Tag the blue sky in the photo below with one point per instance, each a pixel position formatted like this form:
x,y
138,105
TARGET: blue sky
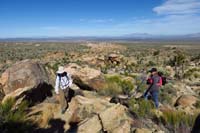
x,y
34,18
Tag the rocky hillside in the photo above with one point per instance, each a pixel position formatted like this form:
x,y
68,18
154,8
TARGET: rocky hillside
x,y
106,95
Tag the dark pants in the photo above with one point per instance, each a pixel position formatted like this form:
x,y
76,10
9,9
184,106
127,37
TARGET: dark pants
x,y
63,94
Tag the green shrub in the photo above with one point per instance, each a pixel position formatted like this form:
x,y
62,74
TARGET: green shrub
x,y
177,119
196,75
164,71
6,107
166,94
78,62
197,105
195,58
111,89
142,107
142,86
112,79
116,85
155,53
9,114
129,68
104,69
58,63
194,72
151,63
127,86
14,119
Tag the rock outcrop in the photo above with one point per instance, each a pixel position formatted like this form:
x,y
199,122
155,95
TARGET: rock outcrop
x,y
111,120
83,75
142,130
186,100
95,113
92,125
89,114
114,58
26,79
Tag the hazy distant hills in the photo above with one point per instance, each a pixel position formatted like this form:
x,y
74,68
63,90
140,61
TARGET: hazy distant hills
x,y
150,36
126,37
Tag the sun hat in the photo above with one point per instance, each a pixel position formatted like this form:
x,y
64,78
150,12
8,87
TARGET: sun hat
x,y
60,70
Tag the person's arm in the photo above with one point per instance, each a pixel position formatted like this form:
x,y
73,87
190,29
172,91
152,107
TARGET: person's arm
x,y
57,85
149,87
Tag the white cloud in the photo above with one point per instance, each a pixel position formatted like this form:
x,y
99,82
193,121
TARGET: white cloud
x,y
166,25
178,7
175,17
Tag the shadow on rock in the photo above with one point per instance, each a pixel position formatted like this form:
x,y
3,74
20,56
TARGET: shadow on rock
x,y
196,128
39,94
73,128
81,84
55,126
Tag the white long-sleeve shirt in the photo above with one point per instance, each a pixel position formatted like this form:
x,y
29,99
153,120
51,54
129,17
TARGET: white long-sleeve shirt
x,y
63,82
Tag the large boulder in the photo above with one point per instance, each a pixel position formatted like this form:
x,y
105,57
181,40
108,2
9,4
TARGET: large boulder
x,y
83,75
26,79
95,125
111,121
186,100
83,107
42,113
80,112
114,119
92,125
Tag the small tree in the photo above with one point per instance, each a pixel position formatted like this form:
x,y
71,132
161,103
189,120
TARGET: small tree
x,y
178,62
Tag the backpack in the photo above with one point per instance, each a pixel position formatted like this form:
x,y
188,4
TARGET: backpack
x,y
65,83
164,79
149,81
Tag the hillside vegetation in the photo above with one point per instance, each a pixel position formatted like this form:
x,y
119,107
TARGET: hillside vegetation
x,y
105,74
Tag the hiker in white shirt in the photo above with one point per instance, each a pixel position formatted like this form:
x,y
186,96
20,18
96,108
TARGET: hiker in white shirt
x,y
63,82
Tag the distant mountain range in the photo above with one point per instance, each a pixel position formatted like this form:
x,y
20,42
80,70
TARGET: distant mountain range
x,y
150,36
127,37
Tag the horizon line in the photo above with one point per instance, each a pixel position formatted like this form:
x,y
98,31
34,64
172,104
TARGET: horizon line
x,y
99,36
